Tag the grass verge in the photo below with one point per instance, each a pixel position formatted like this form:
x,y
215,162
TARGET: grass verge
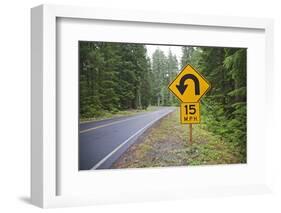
x,y
167,144
108,115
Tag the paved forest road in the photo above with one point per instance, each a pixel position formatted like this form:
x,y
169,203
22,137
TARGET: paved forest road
x,y
101,143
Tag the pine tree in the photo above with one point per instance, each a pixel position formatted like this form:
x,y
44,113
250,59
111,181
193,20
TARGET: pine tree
x,y
187,53
160,74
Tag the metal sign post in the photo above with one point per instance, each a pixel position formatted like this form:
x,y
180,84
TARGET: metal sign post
x,y
190,133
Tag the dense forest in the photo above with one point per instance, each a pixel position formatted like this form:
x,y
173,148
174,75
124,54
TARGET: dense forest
x,y
120,76
116,76
113,77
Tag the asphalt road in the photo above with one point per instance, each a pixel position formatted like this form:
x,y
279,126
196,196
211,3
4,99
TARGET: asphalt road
x,y
101,143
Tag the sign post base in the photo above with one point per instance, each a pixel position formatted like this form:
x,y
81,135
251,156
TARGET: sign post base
x,y
190,134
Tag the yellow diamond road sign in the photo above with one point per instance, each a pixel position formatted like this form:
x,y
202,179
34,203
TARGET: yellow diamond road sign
x,y
189,85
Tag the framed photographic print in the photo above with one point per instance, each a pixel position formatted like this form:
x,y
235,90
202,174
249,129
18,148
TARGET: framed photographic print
x,y
130,106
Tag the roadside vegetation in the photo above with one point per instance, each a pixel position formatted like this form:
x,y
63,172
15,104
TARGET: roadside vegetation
x,y
167,144
115,114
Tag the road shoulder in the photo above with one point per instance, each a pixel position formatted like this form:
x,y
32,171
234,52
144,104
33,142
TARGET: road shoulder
x,y
166,144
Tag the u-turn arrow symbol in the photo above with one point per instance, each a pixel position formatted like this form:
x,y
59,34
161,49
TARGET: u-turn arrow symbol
x,y
182,87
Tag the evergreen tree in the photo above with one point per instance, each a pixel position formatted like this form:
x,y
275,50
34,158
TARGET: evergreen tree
x,y
159,70
172,68
187,53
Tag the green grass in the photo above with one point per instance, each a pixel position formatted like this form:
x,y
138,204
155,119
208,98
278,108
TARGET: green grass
x,y
108,115
167,144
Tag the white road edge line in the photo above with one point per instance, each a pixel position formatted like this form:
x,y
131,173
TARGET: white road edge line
x,y
114,122
126,141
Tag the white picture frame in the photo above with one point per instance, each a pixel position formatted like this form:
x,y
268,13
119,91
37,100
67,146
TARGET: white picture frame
x,y
45,180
